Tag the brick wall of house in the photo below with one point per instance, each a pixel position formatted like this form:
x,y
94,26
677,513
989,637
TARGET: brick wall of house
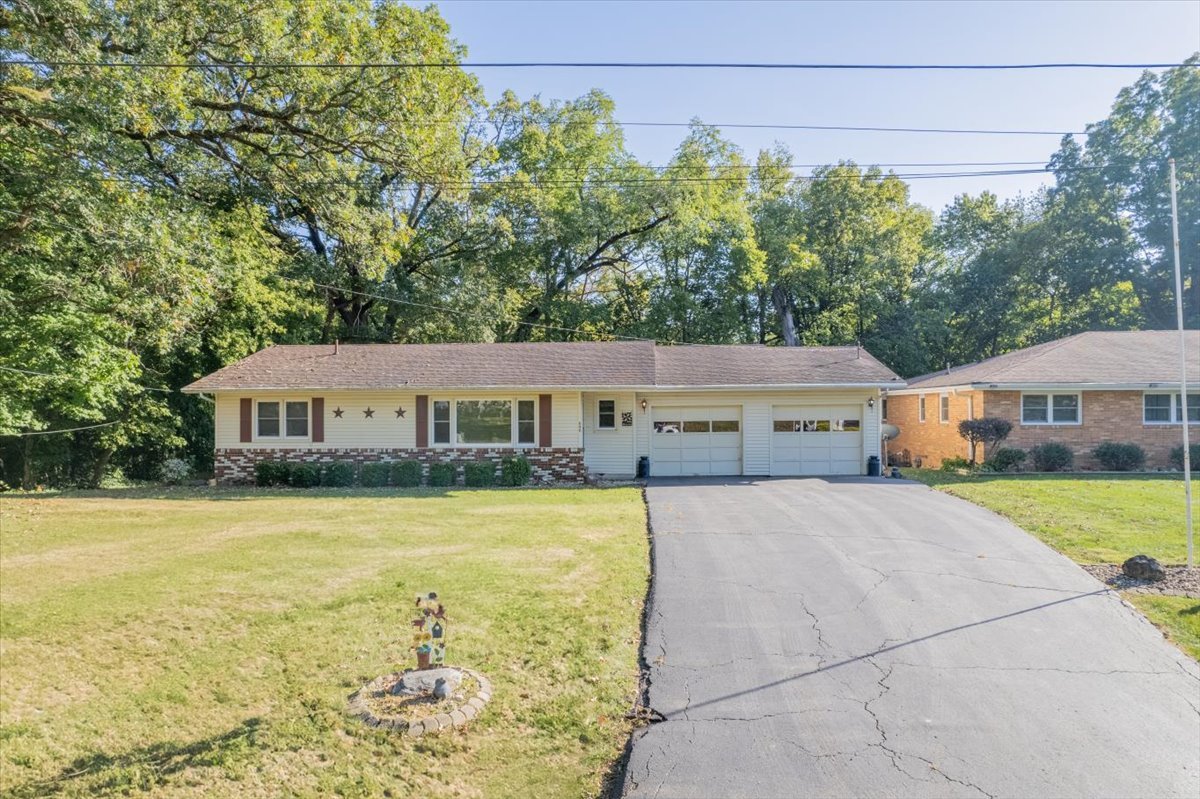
x,y
932,440
234,466
1107,416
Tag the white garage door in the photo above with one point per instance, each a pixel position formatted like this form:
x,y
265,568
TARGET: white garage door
x,y
810,439
695,441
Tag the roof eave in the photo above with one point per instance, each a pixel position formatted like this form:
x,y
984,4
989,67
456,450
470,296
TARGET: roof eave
x,y
195,388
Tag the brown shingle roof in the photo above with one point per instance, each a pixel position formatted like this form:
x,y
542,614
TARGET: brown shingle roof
x,y
639,364
1132,357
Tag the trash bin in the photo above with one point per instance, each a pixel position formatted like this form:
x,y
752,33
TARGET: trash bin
x,y
643,467
873,467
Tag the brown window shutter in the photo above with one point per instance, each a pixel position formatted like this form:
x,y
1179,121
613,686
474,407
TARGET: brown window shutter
x,y
545,421
247,423
318,419
422,420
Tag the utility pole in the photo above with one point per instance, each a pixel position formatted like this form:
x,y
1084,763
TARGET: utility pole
x,y
1183,386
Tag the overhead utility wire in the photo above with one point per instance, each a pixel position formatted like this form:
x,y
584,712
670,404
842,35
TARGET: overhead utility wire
x,y
587,65
61,430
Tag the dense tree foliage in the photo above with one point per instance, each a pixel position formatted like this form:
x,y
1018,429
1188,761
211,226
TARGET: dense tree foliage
x,y
156,223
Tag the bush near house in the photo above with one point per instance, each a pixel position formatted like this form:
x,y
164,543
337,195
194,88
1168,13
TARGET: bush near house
x,y
479,475
1177,456
1005,459
272,473
406,474
442,474
305,475
1052,457
338,474
515,471
1120,457
374,475
988,431
955,463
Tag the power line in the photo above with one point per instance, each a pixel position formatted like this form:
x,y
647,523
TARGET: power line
x,y
61,376
53,432
766,65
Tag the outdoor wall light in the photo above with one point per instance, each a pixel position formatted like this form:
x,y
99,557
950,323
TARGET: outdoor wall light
x,y
870,402
643,406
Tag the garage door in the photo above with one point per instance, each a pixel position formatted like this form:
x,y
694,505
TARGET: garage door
x,y
695,441
808,439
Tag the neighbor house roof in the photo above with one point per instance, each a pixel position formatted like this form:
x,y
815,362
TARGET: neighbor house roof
x,y
1134,358
636,364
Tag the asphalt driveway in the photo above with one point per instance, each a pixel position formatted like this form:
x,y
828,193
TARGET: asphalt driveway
x,y
837,638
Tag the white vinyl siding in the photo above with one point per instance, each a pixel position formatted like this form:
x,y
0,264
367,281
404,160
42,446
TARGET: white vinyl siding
x,y
384,430
609,451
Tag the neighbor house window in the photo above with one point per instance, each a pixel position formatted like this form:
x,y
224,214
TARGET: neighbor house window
x,y
484,421
525,426
883,414
921,408
606,414
1050,409
268,420
944,408
1168,408
441,422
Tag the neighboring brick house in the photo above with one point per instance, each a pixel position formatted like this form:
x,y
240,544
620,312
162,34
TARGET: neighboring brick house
x,y
572,409
1079,391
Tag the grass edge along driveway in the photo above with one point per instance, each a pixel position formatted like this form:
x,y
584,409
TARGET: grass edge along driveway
x,y
1100,518
203,642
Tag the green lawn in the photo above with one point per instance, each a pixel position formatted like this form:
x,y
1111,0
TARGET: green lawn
x,y
203,642
1095,519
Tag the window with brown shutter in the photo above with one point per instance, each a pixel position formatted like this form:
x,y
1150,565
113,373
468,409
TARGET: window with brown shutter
x,y
545,422
247,423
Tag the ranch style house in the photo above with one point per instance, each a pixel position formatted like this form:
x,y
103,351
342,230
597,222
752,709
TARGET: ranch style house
x,y
573,409
1080,391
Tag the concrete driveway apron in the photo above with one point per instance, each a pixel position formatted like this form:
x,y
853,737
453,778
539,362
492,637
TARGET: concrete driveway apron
x,y
862,638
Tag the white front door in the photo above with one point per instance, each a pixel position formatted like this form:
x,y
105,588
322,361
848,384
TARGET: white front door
x,y
688,441
817,439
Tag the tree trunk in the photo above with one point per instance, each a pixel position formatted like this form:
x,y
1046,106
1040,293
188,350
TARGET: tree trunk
x,y
786,310
27,463
100,467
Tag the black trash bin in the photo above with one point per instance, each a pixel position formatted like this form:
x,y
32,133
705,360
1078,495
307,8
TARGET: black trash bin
x,y
874,469
643,467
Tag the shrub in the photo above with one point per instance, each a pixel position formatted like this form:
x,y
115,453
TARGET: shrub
x,y
272,473
1120,457
1177,456
989,431
442,474
515,471
480,474
338,474
1005,459
305,475
174,471
1052,457
374,475
955,463
406,473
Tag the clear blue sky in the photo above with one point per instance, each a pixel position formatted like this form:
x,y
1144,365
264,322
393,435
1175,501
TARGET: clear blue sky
x,y
837,32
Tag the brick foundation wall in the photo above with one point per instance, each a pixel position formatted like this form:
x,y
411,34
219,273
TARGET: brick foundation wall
x,y
1107,416
235,465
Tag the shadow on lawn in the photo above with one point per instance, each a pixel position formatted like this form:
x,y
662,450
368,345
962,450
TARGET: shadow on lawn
x,y
145,768
936,477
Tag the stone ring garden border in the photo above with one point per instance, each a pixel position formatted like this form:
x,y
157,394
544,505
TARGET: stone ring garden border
x,y
441,721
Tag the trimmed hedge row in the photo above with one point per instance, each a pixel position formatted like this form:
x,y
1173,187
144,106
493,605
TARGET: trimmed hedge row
x,y
513,471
